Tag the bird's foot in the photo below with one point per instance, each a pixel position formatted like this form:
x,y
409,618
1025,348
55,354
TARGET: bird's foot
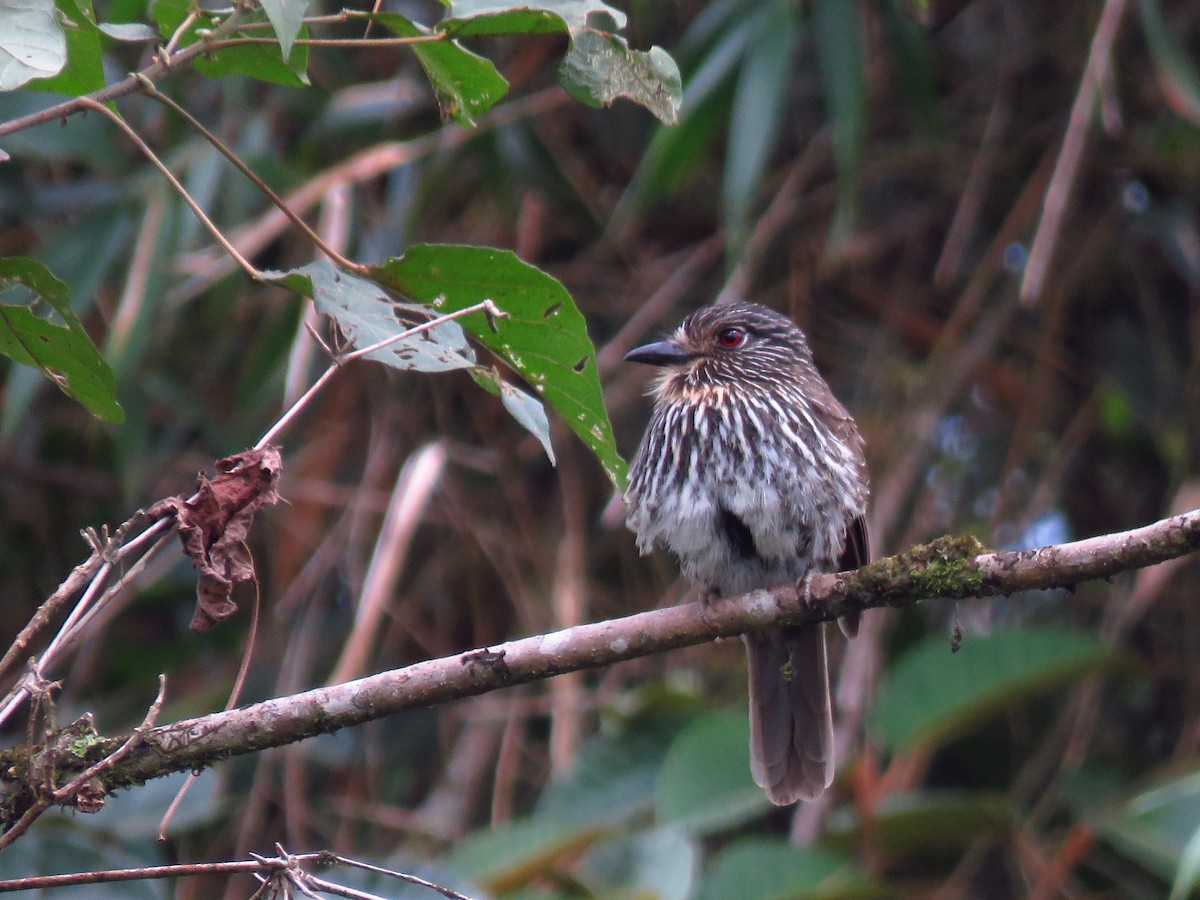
x,y
707,597
805,587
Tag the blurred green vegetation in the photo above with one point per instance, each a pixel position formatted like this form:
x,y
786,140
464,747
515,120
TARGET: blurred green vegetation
x,y
878,171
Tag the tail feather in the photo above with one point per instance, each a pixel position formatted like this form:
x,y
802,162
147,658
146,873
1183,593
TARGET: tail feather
x,y
791,724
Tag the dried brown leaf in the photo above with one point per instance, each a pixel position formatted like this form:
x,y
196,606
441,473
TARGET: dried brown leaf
x,y
213,525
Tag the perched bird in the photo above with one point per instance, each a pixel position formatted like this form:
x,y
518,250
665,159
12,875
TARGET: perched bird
x,y
752,474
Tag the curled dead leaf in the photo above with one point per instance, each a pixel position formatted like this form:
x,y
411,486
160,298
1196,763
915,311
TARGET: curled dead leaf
x,y
213,525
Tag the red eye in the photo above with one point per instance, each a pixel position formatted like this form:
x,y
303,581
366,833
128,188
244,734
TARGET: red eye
x,y
731,338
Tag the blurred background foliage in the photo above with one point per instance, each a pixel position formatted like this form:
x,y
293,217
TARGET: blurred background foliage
x,y
875,169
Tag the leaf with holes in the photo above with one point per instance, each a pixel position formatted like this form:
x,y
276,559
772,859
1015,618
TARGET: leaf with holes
x,y
599,66
544,337
38,328
527,410
466,85
366,316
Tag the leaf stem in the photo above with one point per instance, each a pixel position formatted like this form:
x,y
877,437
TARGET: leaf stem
x,y
155,94
133,136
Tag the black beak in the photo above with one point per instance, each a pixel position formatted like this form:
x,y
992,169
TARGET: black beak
x,y
663,353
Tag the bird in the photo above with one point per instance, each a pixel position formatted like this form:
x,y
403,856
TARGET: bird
x,y
753,475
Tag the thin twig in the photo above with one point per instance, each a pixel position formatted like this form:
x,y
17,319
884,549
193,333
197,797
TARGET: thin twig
x,y
486,306
235,695
1058,191
210,265
63,794
175,183
330,42
155,94
49,796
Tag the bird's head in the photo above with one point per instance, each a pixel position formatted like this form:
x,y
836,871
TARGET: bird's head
x,y
729,347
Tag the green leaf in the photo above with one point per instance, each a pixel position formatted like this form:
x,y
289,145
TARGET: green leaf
x,y
366,316
132,32
931,694
168,15
928,823
266,62
544,338
53,339
599,67
466,85
705,782
757,114
842,69
771,869
613,777
527,410
1187,878
32,45
1177,76
507,856
262,61
84,71
662,863
287,18
487,17
1158,828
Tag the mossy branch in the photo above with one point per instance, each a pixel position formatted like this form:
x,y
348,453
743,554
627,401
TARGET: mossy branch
x,y
948,568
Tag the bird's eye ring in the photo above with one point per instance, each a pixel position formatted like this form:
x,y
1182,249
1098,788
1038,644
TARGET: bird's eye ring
x,y
731,338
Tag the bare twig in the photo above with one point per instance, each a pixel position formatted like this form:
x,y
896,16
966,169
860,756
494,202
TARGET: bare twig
x,y
286,866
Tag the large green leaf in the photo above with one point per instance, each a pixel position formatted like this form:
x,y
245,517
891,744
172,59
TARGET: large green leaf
x,y
772,869
32,45
466,85
599,66
705,782
38,328
1158,828
927,823
507,856
84,71
366,316
931,694
544,337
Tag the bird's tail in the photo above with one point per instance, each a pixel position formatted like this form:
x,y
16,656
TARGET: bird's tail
x,y
791,724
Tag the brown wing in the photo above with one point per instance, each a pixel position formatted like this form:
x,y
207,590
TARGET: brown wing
x,y
856,552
